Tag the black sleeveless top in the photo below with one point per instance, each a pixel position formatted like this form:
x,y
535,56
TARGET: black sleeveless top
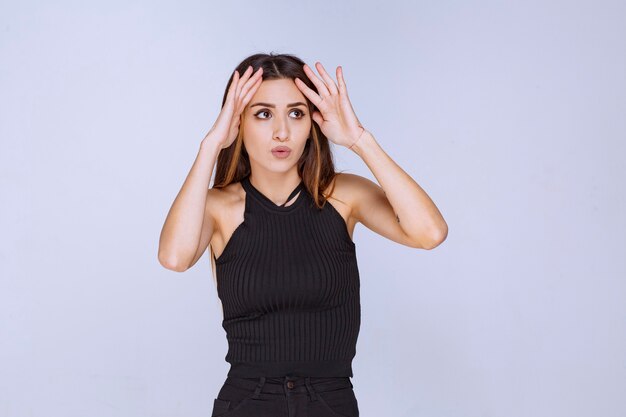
x,y
289,285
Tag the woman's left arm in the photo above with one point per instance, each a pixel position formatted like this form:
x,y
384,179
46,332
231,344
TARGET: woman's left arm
x,y
400,200
400,210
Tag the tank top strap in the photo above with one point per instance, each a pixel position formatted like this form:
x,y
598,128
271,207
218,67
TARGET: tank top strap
x,y
293,193
268,203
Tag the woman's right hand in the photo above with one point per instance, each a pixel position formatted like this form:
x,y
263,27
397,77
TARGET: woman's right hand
x,y
240,92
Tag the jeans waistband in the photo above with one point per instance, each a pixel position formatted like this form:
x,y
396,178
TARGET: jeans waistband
x,y
286,384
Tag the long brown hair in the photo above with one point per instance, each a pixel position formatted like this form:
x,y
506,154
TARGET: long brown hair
x,y
315,166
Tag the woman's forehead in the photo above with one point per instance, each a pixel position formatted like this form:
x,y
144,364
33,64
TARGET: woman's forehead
x,y
278,93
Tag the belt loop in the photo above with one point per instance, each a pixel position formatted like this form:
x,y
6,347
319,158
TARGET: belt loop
x,y
259,387
309,387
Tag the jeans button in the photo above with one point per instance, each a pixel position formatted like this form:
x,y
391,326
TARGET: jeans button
x,y
289,384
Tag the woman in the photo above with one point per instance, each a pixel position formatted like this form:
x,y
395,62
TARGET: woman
x,y
279,222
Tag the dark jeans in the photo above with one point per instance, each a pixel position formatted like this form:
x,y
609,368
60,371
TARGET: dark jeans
x,y
288,396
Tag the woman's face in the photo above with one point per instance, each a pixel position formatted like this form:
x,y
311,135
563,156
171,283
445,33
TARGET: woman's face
x,y
277,115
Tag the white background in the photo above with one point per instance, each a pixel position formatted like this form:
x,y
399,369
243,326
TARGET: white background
x,y
511,115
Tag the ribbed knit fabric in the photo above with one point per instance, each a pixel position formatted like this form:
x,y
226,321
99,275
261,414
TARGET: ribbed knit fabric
x,y
289,285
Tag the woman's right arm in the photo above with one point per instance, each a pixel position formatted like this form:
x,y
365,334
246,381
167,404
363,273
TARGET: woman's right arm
x,y
190,225
190,217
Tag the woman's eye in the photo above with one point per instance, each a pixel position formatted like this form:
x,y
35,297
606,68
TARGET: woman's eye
x,y
301,114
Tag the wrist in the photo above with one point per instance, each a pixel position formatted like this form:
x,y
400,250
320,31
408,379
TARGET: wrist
x,y
357,139
365,144
210,143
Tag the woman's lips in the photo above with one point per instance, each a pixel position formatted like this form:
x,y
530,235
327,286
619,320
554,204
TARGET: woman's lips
x,y
281,153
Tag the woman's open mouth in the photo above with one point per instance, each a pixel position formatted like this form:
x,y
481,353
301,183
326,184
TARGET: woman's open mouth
x,y
281,153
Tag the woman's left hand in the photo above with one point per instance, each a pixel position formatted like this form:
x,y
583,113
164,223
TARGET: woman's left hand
x,y
337,119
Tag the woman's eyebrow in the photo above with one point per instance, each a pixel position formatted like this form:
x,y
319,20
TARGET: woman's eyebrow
x,y
299,103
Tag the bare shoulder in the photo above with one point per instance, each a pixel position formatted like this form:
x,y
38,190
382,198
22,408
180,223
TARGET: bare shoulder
x,y
226,209
223,201
348,187
344,197
353,190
